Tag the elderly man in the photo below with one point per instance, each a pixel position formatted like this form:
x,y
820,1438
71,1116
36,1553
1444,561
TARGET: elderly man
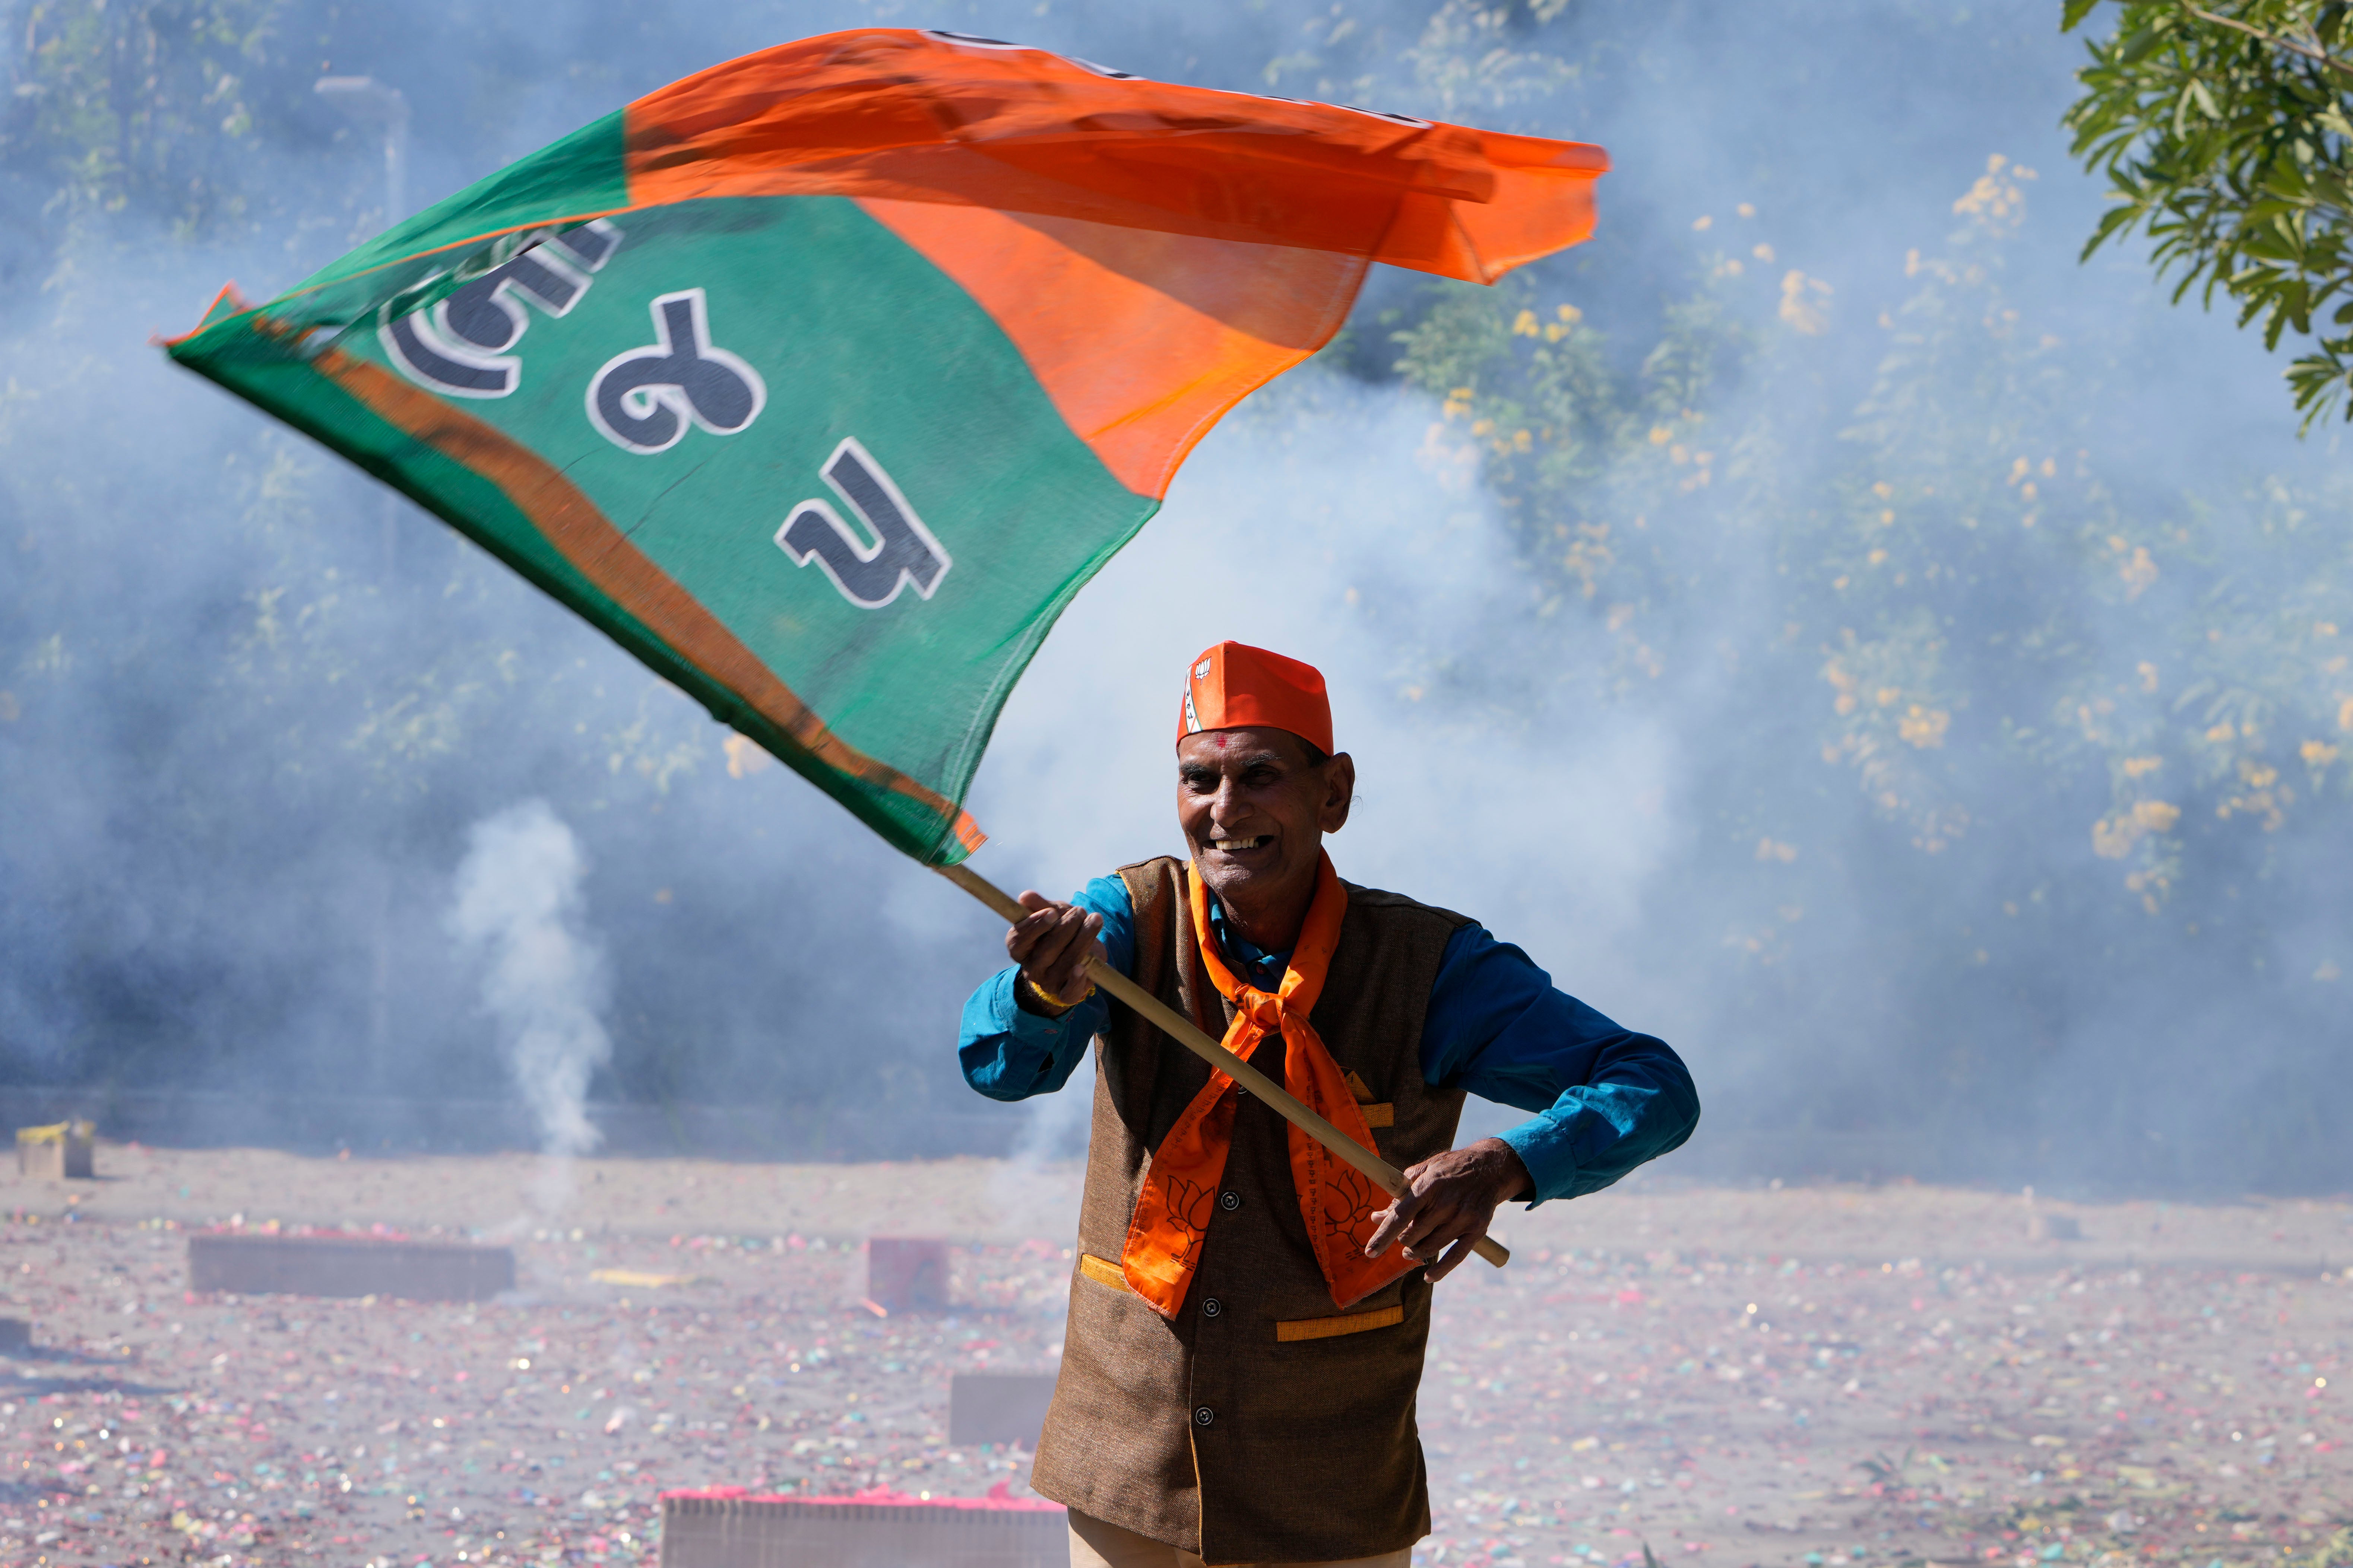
x,y
1246,1326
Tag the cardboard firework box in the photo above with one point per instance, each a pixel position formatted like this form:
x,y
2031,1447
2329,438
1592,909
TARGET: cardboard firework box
x,y
907,1274
248,1263
65,1150
728,1527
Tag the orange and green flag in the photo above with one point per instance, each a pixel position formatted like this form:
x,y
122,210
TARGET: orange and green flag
x,y
822,380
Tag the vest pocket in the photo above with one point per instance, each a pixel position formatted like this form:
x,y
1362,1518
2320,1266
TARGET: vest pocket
x,y
1332,1327
1379,1116
1103,1272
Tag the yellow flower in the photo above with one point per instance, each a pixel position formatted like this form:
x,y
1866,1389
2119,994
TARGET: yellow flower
x,y
2141,767
1762,253
2318,754
1993,200
1525,325
2113,837
1802,303
743,757
1660,435
1923,727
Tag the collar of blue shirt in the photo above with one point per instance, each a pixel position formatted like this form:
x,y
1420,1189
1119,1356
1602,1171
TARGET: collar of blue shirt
x,y
1261,968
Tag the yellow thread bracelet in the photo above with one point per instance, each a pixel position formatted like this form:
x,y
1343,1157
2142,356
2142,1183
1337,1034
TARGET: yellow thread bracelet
x,y
1050,999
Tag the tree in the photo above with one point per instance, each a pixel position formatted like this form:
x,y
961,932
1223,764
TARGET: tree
x,y
2000,737
2224,134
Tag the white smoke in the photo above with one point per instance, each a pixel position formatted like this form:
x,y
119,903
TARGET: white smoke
x,y
1302,524
518,911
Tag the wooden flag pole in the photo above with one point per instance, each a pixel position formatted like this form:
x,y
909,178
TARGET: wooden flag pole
x,y
1183,1030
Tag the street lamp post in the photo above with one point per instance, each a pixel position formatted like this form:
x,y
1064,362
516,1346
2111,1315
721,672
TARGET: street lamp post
x,y
370,103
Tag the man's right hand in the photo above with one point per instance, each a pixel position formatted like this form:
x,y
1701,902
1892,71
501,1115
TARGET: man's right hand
x,y
1052,945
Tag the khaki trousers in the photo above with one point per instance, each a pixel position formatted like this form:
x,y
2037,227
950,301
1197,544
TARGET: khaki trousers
x,y
1097,1544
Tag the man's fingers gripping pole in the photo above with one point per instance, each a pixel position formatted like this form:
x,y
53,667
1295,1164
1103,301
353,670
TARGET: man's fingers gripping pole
x,y
1182,1030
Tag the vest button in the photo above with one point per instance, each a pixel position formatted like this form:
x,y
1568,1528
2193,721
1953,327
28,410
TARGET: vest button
x,y
1229,1201
1204,1416
1212,1306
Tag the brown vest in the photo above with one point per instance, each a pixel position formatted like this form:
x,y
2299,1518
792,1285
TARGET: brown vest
x,y
1263,1423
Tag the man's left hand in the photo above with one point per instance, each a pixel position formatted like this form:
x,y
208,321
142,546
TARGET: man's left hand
x,y
1448,1202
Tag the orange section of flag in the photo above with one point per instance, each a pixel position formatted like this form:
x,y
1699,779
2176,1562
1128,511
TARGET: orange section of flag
x,y
896,115
1142,338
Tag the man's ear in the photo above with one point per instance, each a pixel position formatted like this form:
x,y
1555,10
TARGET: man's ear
x,y
1339,773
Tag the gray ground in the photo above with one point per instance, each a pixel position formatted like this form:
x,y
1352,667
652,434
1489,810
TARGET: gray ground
x,y
1919,1379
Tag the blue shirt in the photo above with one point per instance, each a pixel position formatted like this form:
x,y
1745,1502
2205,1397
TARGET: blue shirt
x,y
1605,1099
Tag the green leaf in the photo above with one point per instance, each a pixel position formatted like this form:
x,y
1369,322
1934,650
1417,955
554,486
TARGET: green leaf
x,y
2077,10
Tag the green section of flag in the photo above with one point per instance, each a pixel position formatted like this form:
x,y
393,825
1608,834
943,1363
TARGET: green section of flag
x,y
581,175
257,367
855,343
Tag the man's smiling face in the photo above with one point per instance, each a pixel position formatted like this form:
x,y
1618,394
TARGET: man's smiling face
x,y
1255,808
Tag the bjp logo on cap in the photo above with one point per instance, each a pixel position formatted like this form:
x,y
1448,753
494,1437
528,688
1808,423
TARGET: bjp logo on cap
x,y
1235,685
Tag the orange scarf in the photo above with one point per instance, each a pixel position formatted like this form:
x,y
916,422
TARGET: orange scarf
x,y
1180,1186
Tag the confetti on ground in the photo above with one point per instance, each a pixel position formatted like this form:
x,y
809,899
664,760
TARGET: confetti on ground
x,y
1811,1376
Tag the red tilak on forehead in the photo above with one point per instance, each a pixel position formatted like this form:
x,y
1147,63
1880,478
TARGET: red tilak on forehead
x,y
1224,740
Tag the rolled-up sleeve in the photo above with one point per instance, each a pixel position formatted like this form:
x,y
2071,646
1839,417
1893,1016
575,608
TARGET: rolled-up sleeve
x,y
1605,1097
1008,1053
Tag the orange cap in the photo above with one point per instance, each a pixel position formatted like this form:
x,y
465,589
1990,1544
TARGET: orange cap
x,y
1234,686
